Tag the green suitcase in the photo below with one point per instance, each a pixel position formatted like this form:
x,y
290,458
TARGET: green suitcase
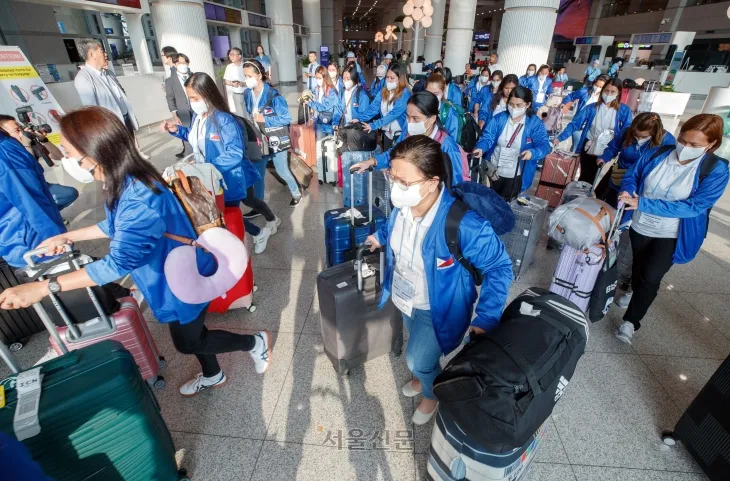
x,y
99,420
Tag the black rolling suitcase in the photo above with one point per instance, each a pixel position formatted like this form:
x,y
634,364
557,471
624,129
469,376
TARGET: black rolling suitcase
x,y
16,326
704,428
354,330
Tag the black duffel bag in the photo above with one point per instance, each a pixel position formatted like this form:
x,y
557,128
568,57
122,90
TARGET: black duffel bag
x,y
352,138
504,384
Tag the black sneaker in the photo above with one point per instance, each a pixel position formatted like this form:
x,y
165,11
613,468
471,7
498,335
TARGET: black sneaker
x,y
295,201
251,214
180,155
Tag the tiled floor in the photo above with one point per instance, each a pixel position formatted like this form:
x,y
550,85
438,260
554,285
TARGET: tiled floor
x,y
275,426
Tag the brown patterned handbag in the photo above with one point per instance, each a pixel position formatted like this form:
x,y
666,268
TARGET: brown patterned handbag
x,y
199,204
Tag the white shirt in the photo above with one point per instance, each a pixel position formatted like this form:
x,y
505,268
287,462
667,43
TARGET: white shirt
x,y
503,158
495,67
605,119
669,181
312,80
385,107
234,73
501,107
406,242
196,138
540,90
592,99
113,88
183,79
348,104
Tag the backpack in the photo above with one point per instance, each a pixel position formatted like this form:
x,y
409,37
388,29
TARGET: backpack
x,y
253,137
199,204
503,385
465,167
444,114
470,133
488,205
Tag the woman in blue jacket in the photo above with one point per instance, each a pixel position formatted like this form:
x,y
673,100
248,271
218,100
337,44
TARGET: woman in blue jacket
x,y
326,103
608,114
263,59
265,106
541,86
483,94
453,92
645,134
672,190
531,71
448,113
514,141
423,119
216,137
500,98
28,213
354,103
391,105
585,96
334,75
140,212
432,289
378,83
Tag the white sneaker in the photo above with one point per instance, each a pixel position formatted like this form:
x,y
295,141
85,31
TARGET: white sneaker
x,y
261,353
624,301
274,225
260,241
201,383
420,418
625,332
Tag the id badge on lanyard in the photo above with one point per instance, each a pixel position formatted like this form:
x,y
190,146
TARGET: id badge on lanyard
x,y
651,221
403,292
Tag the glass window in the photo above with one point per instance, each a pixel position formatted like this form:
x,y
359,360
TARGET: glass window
x,y
263,7
653,5
694,3
616,8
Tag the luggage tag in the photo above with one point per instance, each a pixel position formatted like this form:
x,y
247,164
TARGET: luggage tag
x,y
28,387
403,292
508,159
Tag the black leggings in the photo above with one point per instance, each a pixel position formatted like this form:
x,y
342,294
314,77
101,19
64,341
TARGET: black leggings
x,y
588,167
508,189
257,204
195,338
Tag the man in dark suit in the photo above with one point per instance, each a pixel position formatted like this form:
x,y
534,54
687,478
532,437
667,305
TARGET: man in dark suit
x,y
177,99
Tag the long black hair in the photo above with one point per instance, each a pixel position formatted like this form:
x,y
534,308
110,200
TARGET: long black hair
x,y
99,134
206,87
354,75
445,73
256,65
427,103
523,93
507,79
426,154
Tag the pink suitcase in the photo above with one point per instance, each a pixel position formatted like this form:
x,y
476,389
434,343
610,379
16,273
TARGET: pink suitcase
x,y
558,171
576,274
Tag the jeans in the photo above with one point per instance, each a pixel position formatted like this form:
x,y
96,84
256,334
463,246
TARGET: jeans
x,y
260,186
575,139
63,195
281,162
423,353
195,338
652,260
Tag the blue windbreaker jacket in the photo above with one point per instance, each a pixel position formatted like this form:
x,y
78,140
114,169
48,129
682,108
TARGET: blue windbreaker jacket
x,y
451,123
397,113
581,96
692,212
584,119
28,213
483,97
136,227
534,138
453,94
225,149
359,104
377,85
281,116
451,289
533,83
330,103
627,156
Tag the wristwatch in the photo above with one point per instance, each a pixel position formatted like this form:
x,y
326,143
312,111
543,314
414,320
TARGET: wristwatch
x,y
54,286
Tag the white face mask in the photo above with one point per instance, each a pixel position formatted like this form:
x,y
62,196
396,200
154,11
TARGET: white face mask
x,y
608,98
391,85
410,197
349,84
495,83
530,73
416,128
380,74
483,79
439,96
320,82
199,107
596,89
641,141
183,69
542,77
516,112
333,75
685,153
72,168
251,82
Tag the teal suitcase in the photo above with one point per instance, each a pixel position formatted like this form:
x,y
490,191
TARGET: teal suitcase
x,y
99,420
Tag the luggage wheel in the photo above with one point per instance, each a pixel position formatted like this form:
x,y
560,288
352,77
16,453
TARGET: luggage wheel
x,y
252,308
159,382
161,362
320,182
183,475
255,288
668,438
16,346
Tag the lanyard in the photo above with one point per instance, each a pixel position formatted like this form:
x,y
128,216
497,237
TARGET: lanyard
x,y
514,135
415,240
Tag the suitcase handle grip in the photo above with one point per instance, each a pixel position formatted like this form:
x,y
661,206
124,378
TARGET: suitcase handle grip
x,y
352,195
358,264
28,256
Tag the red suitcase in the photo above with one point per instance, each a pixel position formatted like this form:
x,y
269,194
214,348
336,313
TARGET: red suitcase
x,y
558,171
303,142
241,295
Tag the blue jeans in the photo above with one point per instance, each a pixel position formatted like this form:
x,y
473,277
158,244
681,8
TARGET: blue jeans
x,y
281,162
260,186
423,352
63,195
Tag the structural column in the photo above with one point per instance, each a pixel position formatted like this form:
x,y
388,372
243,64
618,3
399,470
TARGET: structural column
x,y
459,34
181,24
234,35
494,31
281,40
313,20
139,43
435,33
527,33
328,27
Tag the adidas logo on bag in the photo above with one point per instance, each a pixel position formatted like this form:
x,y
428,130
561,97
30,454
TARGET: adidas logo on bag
x,y
562,384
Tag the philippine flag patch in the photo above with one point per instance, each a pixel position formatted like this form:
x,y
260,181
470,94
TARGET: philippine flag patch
x,y
215,137
268,111
444,263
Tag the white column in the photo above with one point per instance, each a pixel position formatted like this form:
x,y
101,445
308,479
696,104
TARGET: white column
x,y
435,33
139,42
181,24
327,10
459,34
527,33
313,21
494,31
234,34
281,40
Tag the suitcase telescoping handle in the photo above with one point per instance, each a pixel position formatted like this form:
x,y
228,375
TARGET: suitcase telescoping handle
x,y
353,170
9,359
358,264
73,329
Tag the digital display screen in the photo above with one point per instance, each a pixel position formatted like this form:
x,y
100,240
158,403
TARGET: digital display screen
x,y
584,40
481,36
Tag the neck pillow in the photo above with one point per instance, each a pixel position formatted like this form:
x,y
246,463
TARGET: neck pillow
x,y
181,267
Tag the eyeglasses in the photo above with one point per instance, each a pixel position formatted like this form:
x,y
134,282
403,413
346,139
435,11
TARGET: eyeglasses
x,y
403,185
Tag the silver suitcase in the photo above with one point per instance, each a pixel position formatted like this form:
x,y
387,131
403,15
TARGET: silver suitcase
x,y
521,242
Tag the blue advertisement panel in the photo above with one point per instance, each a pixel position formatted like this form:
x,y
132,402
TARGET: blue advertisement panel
x,y
324,55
